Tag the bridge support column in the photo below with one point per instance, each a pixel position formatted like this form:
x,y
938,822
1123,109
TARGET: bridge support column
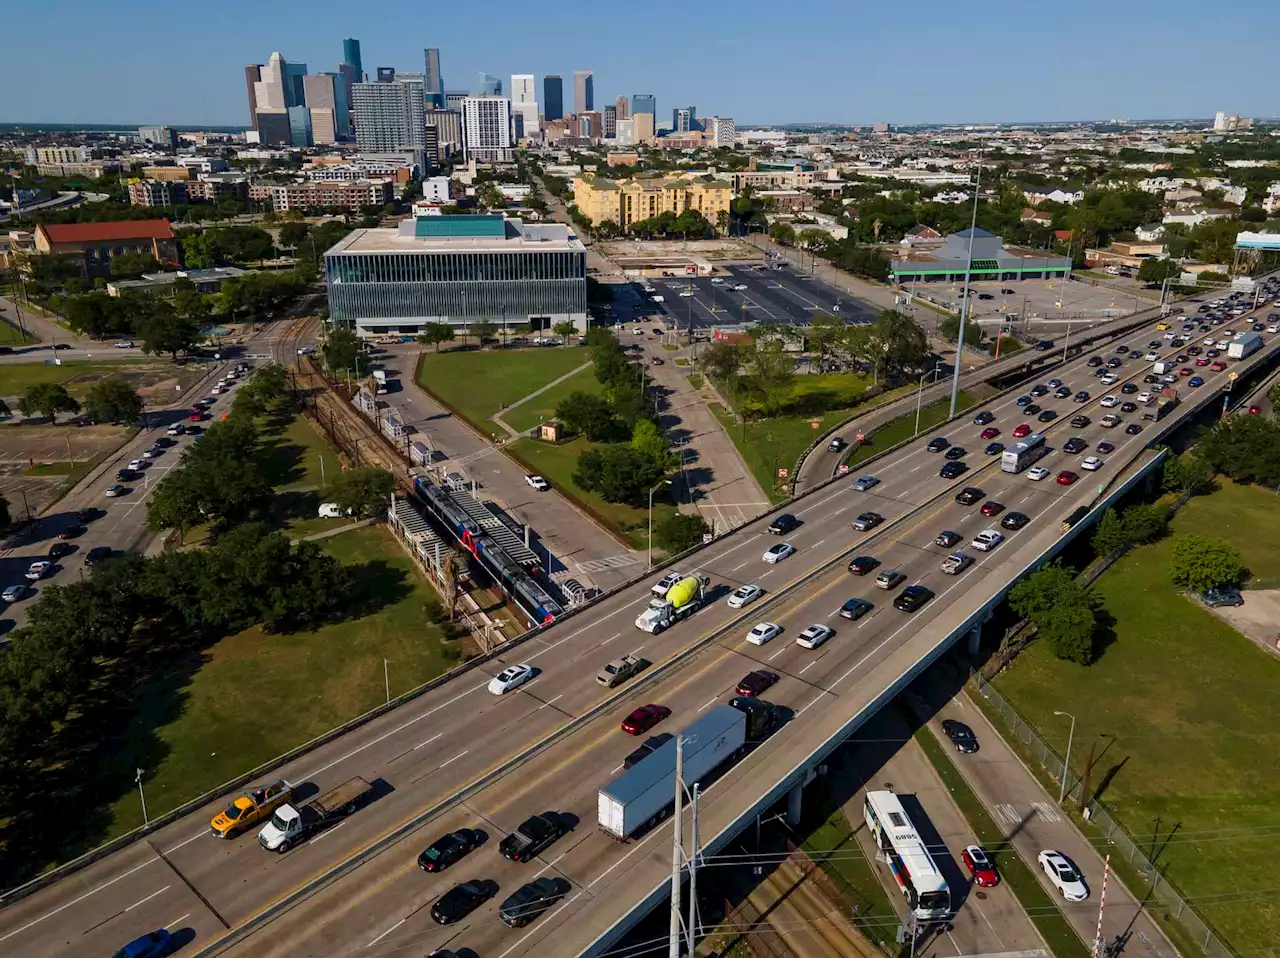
x,y
975,639
793,804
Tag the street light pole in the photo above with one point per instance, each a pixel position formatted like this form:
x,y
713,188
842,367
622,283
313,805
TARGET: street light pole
x,y
1066,762
920,395
649,557
964,303
138,778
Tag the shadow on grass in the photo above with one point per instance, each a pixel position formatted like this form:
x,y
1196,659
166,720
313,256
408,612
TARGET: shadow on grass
x,y
378,585
282,461
293,505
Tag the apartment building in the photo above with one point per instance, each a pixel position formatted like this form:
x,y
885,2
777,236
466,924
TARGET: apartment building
x,y
157,193
345,194
628,201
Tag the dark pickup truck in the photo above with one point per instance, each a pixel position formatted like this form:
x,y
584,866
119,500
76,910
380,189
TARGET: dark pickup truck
x,y
532,837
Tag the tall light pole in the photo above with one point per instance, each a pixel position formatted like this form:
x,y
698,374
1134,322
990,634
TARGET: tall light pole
x,y
1066,762
664,482
937,367
138,778
964,303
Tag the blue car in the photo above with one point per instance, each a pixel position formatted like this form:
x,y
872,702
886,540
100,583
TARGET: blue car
x,y
151,945
1195,381
1024,400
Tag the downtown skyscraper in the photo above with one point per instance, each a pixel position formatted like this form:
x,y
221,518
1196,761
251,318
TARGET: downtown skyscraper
x,y
584,91
433,82
553,96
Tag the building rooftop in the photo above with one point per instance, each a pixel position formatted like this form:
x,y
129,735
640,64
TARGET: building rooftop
x,y
106,232
491,233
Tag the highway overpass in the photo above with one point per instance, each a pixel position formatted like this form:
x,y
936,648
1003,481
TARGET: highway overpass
x,y
456,756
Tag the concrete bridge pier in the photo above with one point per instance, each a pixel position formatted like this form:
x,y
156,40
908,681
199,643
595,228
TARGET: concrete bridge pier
x,y
794,798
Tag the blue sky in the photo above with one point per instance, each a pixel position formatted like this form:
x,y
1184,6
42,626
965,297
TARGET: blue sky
x,y
848,61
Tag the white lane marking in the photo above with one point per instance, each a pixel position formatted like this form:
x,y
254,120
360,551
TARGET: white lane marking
x,y
778,653
76,901
636,650
618,769
818,543
815,699
454,759
187,841
427,742
538,709
737,567
1025,498
708,704
550,864
327,832
143,901
809,666
176,920
540,924
387,932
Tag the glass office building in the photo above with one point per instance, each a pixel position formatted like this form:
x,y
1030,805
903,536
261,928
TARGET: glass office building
x,y
458,270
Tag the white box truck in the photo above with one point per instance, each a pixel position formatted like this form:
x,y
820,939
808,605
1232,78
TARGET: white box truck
x,y
644,793
1244,345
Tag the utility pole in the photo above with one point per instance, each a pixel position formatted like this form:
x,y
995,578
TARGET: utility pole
x,y
673,932
964,302
693,875
141,795
1102,904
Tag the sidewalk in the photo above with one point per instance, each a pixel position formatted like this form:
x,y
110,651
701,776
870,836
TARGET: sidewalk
x,y
39,325
537,392
1033,821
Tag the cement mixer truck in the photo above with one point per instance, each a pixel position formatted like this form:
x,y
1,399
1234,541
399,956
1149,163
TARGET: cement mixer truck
x,y
681,600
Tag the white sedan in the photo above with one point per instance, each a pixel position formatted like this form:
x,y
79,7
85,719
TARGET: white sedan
x,y
510,678
777,553
1109,401
1036,473
137,465
125,344
744,595
764,632
1063,875
1091,463
685,294
814,636
1144,397
537,482
741,287
39,569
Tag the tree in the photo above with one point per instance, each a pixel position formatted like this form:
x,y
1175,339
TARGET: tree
x,y
680,531
720,361
648,439
1186,473
1038,593
133,265
1070,632
293,235
343,350
1158,270
1244,448
364,491
586,414
1110,534
825,333
192,305
1273,395
950,330
1144,522
782,233
484,329
1201,562
47,399
433,334
617,473
772,372
564,330
167,332
1062,612
113,399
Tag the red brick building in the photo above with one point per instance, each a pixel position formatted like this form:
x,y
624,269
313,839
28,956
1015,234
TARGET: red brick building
x,y
91,245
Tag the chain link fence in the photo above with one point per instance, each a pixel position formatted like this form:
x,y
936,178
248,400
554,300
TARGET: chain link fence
x,y
1159,888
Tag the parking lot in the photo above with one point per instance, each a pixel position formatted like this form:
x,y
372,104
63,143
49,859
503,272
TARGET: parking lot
x,y
748,294
1037,301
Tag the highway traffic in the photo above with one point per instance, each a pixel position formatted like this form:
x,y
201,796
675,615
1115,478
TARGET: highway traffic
x,y
422,754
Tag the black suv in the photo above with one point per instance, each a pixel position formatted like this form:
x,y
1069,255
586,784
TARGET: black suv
x,y
946,538
969,495
1014,520
783,524
461,900
912,598
938,444
447,849
952,470
531,900
1074,445
983,418
1079,422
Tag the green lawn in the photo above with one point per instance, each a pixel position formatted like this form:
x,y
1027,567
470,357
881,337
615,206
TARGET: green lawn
x,y
557,464
12,335
819,391
527,415
1195,717
253,696
771,444
480,383
79,375
901,429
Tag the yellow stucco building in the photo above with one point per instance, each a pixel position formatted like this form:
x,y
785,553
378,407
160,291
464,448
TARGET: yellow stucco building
x,y
629,201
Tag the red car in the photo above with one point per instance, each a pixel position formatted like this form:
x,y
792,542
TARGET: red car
x,y
644,718
195,417
1202,361
1219,366
1255,410
753,683
1066,477
1184,371
990,433
992,508
1022,429
980,866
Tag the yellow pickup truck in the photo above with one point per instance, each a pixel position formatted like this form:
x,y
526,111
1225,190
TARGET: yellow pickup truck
x,y
250,808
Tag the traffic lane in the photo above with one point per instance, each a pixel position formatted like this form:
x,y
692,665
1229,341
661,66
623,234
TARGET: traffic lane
x,y
171,905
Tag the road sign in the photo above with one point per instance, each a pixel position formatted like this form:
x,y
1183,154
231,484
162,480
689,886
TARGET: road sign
x,y
782,473
1233,376
814,424
859,437
691,271
844,468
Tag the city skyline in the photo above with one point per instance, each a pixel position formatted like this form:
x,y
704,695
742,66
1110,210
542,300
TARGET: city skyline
x,y
830,72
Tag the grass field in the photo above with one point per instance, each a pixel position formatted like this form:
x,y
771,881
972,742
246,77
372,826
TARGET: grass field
x,y
480,383
901,429
819,391
12,335
557,464
253,696
78,375
1192,718
542,407
772,444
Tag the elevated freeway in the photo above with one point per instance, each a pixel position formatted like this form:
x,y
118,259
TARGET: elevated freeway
x,y
456,756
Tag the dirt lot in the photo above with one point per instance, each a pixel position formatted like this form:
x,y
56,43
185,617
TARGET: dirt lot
x,y
1258,618
716,250
55,452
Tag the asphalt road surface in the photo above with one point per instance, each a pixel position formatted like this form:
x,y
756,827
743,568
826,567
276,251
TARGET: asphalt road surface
x,y
770,296
429,750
